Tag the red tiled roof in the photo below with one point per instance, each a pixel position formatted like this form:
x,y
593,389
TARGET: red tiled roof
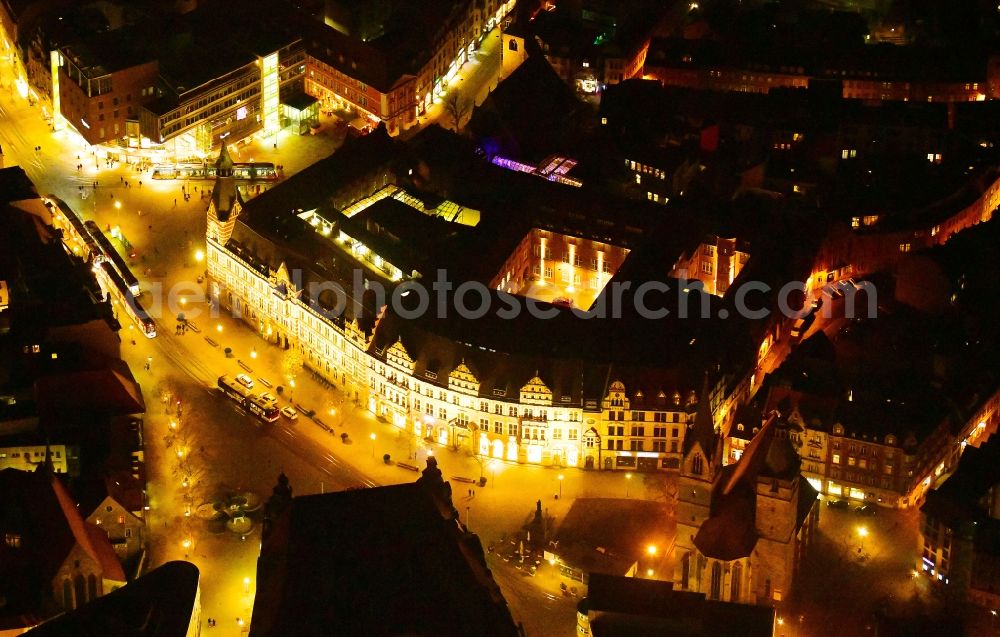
x,y
89,536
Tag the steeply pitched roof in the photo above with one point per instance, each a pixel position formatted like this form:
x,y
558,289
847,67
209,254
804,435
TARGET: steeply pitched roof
x,y
36,506
381,561
529,112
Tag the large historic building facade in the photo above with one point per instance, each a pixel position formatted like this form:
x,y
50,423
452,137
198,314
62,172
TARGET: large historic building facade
x,y
548,411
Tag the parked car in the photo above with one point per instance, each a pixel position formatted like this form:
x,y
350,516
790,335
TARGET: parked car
x,y
838,504
865,509
245,380
269,397
563,301
289,413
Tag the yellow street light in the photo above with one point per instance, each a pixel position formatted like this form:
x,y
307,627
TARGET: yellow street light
x,y
180,453
173,424
291,383
184,300
199,256
651,549
628,484
781,622
372,436
649,572
186,543
253,353
560,476
333,412
246,585
218,327
118,205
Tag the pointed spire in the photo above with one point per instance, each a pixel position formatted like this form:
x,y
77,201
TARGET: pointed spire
x,y
224,164
225,195
703,429
46,465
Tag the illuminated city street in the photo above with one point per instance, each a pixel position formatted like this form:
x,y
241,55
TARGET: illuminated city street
x,y
289,342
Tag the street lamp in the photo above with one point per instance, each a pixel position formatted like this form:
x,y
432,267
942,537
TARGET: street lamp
x,y
862,533
372,436
246,585
651,549
628,484
118,205
560,485
199,256
253,353
218,327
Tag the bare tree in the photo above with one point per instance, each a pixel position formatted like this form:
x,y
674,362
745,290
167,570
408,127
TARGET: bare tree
x,y
457,107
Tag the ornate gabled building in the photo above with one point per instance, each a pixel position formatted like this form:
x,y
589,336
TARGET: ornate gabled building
x,y
741,528
303,264
226,203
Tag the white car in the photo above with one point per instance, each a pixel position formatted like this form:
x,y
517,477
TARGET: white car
x,y
245,380
289,413
269,397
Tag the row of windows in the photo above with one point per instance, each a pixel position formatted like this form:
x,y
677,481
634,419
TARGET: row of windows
x,y
640,416
28,454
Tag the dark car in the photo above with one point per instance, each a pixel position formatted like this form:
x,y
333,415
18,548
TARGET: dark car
x,y
865,509
837,504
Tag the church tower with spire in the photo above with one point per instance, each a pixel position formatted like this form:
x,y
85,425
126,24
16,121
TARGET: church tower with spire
x,y
226,202
701,466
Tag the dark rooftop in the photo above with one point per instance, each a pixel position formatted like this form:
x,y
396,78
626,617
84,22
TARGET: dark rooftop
x,y
607,535
37,506
380,561
627,606
15,185
161,603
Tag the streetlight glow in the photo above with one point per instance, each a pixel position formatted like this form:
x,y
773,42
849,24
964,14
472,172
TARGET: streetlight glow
x,y
651,549
218,327
199,256
118,205
253,353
